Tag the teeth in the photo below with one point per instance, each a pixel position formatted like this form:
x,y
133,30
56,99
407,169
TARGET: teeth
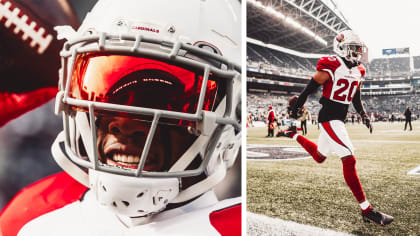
x,y
126,158
117,157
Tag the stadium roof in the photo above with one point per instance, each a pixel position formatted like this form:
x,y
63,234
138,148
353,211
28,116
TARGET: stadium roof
x,y
307,26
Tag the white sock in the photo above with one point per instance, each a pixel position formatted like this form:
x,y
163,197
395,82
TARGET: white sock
x,y
364,205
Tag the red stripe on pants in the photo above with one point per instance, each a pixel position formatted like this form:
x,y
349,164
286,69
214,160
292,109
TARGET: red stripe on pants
x,y
331,133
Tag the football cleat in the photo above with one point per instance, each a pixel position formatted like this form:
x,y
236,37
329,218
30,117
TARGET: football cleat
x,y
288,132
377,217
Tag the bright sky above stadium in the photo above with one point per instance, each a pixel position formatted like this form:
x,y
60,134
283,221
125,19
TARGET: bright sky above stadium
x,y
383,24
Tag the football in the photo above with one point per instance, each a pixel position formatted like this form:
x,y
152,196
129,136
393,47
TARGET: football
x,y
29,49
291,104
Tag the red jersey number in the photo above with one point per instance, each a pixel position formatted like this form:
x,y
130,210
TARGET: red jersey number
x,y
343,92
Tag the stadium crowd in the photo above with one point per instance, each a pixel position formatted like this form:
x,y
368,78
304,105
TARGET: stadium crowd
x,y
383,108
264,58
394,66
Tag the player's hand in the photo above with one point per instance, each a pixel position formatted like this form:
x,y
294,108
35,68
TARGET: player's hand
x,y
296,113
367,122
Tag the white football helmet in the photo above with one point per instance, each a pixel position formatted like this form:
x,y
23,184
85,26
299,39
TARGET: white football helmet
x,y
349,46
150,97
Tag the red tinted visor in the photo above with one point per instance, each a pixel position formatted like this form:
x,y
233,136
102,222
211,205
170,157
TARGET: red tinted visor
x,y
141,82
360,49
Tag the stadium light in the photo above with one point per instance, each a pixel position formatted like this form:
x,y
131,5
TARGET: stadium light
x,y
309,32
257,3
279,15
270,10
285,50
321,40
288,20
275,13
294,23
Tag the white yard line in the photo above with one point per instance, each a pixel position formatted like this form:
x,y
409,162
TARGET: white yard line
x,y
264,225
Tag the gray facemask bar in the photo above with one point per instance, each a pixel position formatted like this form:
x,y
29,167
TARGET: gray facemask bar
x,y
350,51
84,45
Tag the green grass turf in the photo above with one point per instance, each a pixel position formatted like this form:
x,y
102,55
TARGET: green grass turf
x,y
316,194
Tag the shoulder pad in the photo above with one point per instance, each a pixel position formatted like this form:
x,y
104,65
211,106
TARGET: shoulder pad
x,y
329,63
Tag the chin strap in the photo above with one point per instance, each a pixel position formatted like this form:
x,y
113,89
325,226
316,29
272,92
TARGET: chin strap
x,y
190,154
65,163
202,186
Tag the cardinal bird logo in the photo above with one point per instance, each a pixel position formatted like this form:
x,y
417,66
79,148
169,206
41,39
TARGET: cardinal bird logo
x,y
340,38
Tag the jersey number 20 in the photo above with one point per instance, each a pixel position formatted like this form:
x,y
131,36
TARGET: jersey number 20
x,y
344,92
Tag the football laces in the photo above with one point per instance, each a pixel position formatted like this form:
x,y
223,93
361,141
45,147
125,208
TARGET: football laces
x,y
22,25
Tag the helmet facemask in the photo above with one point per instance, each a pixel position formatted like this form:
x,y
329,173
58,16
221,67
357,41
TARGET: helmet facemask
x,y
354,52
141,98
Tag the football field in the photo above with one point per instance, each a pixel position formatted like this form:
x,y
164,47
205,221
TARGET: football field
x,y
298,189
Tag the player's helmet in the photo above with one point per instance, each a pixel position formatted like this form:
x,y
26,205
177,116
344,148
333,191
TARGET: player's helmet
x,y
349,46
171,65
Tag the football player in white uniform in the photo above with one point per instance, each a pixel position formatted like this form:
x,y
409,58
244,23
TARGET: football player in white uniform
x,y
341,77
150,97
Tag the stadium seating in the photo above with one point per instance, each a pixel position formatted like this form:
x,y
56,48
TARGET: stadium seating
x,y
382,106
416,62
280,59
394,66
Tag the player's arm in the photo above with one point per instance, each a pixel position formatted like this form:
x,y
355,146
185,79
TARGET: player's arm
x,y
357,102
358,106
319,78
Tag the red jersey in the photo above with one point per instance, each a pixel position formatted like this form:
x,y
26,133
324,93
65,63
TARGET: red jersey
x,y
340,88
271,116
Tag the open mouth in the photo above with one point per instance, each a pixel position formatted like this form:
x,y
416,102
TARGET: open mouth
x,y
130,161
123,160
